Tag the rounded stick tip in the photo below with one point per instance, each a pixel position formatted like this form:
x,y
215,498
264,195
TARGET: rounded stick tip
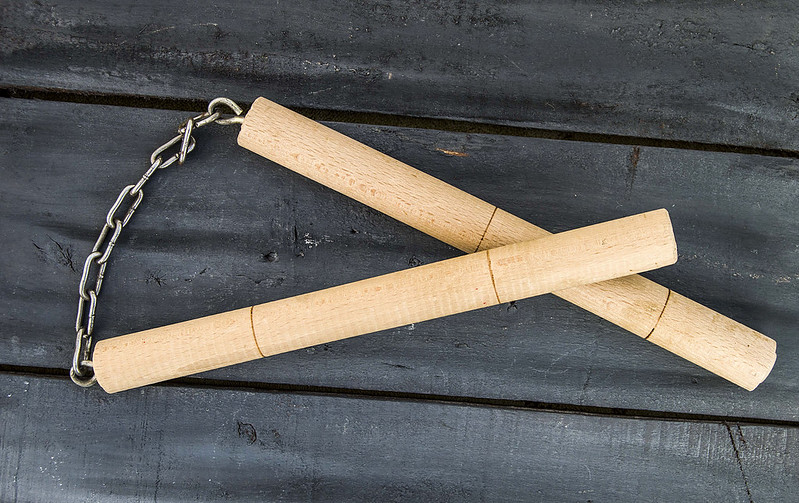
x,y
713,341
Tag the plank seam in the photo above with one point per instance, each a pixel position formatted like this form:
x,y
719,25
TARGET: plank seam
x,y
391,120
355,393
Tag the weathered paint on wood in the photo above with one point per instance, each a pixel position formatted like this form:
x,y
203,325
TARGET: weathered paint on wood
x,y
200,244
716,72
61,443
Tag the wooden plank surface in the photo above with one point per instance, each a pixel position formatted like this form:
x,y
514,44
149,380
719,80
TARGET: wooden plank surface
x,y
199,244
61,443
472,407
715,71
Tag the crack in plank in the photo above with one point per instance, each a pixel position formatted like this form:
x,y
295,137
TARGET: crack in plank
x,y
738,459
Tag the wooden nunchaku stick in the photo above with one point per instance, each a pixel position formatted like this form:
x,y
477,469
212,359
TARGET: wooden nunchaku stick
x,y
485,278
645,308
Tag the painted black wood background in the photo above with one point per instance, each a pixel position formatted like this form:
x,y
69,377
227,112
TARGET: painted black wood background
x,y
564,114
711,71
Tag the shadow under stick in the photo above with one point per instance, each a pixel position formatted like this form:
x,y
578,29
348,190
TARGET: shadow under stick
x,y
486,278
645,308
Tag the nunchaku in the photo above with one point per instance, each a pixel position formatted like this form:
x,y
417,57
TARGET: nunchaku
x,y
508,259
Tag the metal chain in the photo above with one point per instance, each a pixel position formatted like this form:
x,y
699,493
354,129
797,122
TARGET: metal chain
x,y
82,372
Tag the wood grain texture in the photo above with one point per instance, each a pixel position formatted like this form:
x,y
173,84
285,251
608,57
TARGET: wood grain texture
x,y
682,327
199,244
366,175
475,281
700,72
177,350
723,346
636,302
64,444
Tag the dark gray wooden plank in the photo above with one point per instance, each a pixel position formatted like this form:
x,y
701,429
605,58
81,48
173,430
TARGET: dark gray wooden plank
x,y
60,443
711,71
197,244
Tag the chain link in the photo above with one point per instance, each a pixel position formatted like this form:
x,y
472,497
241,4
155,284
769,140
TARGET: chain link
x,y
82,372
